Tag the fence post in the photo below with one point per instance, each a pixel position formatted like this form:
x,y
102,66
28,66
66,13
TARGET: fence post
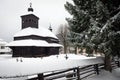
x,y
78,73
96,68
40,76
74,70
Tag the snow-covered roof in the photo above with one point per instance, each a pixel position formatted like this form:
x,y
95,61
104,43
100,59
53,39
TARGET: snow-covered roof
x,y
34,31
29,66
30,42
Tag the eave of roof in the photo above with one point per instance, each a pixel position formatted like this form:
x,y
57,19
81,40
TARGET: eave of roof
x,y
30,42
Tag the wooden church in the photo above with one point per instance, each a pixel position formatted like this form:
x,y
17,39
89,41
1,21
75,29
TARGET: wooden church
x,y
34,40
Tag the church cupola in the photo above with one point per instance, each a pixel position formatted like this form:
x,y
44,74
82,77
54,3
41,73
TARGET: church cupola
x,y
30,9
50,28
30,20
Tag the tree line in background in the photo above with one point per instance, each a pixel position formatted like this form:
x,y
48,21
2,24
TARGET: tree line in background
x,y
95,25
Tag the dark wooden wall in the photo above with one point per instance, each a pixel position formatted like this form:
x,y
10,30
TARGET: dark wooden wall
x,y
29,21
34,51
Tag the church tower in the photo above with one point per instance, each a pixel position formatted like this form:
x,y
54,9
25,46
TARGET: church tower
x,y
29,20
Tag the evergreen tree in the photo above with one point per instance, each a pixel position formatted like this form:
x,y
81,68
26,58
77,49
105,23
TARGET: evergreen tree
x,y
98,21
88,18
110,32
110,35
74,40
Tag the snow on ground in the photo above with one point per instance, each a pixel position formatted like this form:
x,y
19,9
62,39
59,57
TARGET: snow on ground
x,y
106,75
5,56
11,67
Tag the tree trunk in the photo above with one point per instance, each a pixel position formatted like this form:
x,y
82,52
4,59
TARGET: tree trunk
x,y
65,47
75,49
107,62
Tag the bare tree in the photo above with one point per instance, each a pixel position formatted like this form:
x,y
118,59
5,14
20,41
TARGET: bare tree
x,y
62,35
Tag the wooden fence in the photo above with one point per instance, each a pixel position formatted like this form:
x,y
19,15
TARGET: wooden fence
x,y
77,73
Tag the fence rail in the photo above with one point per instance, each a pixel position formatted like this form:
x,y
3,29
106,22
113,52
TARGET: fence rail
x,y
77,73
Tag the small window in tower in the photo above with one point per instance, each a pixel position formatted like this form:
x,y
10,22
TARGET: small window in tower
x,y
29,20
26,20
35,22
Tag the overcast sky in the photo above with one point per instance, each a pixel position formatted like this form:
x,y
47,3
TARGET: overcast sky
x,y
49,11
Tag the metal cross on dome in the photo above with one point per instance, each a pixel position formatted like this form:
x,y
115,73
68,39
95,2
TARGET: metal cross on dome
x,y
30,4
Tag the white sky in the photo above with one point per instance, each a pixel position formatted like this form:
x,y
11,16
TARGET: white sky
x,y
49,11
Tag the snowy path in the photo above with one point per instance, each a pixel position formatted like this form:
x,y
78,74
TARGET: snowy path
x,y
105,75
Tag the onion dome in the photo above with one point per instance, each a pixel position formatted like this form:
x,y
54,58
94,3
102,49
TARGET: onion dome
x,y
30,9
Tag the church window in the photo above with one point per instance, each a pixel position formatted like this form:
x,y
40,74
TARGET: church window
x,y
29,20
26,20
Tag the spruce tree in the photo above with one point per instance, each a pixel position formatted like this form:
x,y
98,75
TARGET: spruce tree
x,y
88,17
98,21
110,32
